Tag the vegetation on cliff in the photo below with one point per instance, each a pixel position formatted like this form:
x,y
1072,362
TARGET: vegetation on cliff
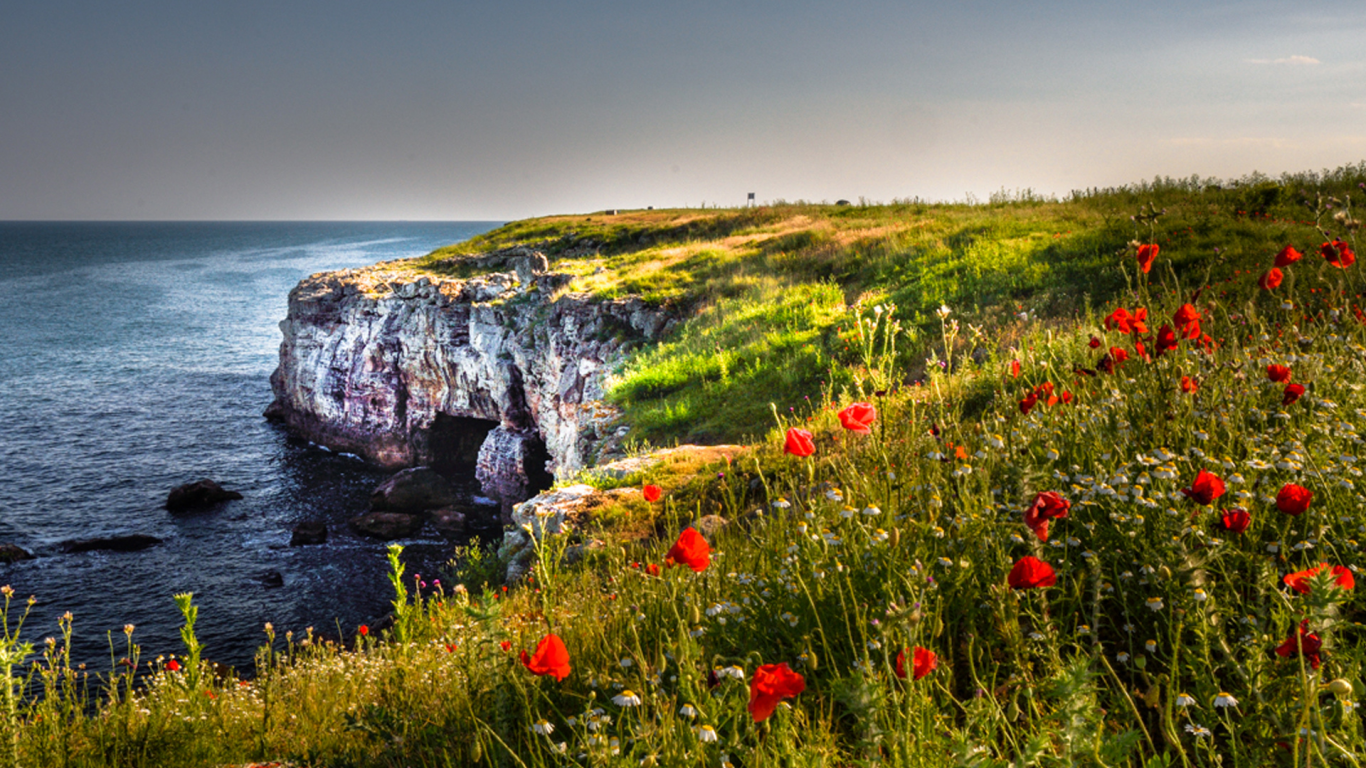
x,y
1122,532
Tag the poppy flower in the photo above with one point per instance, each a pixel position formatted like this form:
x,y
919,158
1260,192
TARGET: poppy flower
x,y
651,493
1094,343
923,662
798,443
1066,397
363,630
1119,355
1278,373
1299,581
1123,321
1338,253
1294,499
1028,403
505,645
1166,339
1292,393
1206,488
1187,318
1146,254
771,684
1236,520
1189,385
1014,369
551,658
1302,642
1048,505
1030,572
173,666
1271,279
690,550
857,417
652,569
1288,256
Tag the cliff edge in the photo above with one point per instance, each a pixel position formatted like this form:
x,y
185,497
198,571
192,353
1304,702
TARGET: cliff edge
x,y
503,370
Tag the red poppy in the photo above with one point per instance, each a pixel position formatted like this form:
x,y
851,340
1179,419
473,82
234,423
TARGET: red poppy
x,y
1030,572
1189,385
798,443
1094,343
1014,369
1206,488
1166,339
1288,256
1338,253
857,417
450,647
363,630
923,662
1302,642
651,493
1027,404
652,569
690,550
1066,397
1146,255
1299,581
551,658
1294,499
1118,355
1278,373
1271,280
1236,520
1124,322
771,684
1048,505
1187,318
173,666
1292,393
505,645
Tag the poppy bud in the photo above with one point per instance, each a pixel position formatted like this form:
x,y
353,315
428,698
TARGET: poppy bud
x,y
476,752
1164,573
1154,695
812,660
1340,687
894,537
1013,710
915,617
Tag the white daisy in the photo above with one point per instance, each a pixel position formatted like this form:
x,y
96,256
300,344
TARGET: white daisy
x,y
626,698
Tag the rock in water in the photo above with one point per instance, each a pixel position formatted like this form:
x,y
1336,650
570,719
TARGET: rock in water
x,y
11,553
412,491
198,494
130,543
449,522
386,525
309,532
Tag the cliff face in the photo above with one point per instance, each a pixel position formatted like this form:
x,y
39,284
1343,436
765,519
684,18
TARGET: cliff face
x,y
496,369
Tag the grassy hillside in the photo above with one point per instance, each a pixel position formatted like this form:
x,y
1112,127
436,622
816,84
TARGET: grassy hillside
x,y
773,294
1105,541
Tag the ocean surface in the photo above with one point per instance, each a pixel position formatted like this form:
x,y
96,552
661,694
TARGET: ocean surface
x,y
136,357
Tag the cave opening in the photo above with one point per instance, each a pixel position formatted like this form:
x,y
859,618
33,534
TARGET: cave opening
x,y
453,443
534,461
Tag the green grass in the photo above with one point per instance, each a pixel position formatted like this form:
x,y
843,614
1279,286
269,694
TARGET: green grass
x,y
831,564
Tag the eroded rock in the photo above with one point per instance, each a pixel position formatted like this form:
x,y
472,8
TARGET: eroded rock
x,y
128,543
413,491
198,495
386,525
13,553
308,533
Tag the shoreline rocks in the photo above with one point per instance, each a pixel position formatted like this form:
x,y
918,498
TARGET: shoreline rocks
x,y
413,491
127,543
198,495
13,553
308,533
386,525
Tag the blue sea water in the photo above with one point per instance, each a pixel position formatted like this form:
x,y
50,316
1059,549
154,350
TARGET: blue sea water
x,y
136,357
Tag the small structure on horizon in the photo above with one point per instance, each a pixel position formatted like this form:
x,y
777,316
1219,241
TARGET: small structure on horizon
x,y
749,203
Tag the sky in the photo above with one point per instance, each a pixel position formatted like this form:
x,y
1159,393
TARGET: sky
x,y
504,109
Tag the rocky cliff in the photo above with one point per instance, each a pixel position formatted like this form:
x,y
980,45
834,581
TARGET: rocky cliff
x,y
503,370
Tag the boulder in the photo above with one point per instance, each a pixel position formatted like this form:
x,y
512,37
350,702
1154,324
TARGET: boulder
x,y
386,525
129,543
272,579
202,493
449,522
412,491
309,532
10,553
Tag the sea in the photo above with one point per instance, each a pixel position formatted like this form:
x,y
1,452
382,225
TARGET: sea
x,y
135,357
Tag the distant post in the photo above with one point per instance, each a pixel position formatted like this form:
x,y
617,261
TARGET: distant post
x,y
749,203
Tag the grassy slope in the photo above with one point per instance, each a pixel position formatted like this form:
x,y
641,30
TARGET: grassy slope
x,y
772,293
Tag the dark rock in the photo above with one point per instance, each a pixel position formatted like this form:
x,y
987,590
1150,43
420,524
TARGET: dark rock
x,y
10,553
413,490
841,202
198,494
449,522
129,543
386,525
309,532
273,579
710,525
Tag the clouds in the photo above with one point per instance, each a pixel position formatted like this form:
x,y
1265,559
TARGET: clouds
x,y
1293,61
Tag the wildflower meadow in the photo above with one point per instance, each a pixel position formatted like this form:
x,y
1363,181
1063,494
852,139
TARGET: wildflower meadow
x,y
1127,537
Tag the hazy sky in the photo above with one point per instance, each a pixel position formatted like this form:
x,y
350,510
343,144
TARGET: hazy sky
x,y
510,108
